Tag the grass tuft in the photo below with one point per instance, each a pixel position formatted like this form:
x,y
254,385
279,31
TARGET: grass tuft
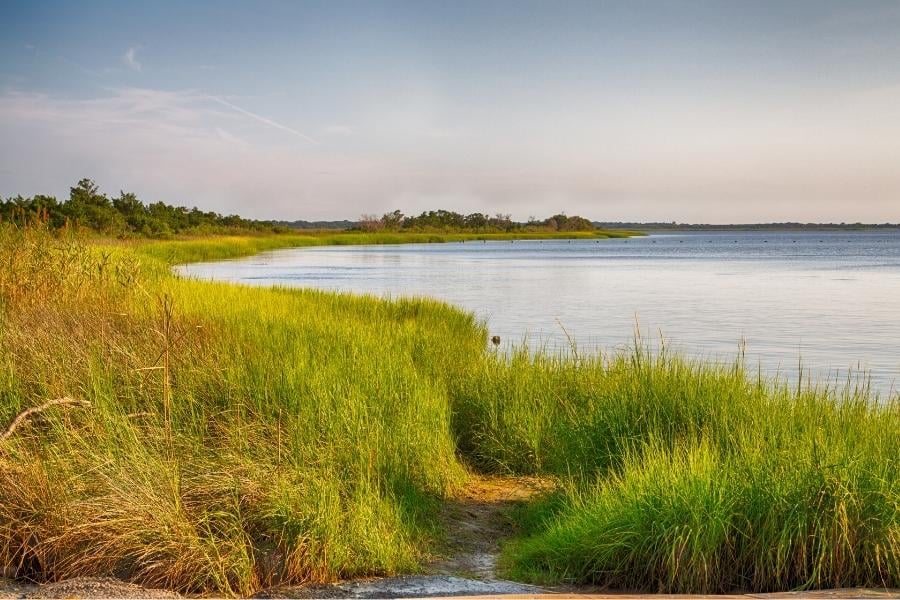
x,y
229,439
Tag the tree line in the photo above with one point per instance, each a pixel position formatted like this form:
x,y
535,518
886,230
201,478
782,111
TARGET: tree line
x,y
445,220
88,208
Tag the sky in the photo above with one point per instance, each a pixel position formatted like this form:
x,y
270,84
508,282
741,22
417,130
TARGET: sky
x,y
689,111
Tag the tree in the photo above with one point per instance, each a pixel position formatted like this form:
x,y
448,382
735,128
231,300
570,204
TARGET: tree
x,y
87,207
476,221
132,210
392,220
562,222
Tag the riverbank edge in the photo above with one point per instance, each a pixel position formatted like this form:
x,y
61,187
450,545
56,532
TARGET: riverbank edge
x,y
208,248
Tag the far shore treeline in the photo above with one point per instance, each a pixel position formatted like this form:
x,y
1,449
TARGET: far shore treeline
x,y
87,208
445,220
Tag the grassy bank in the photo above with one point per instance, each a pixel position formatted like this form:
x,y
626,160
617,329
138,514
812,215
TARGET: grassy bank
x,y
236,438
215,248
686,477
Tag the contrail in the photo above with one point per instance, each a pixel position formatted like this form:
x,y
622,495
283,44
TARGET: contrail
x,y
262,119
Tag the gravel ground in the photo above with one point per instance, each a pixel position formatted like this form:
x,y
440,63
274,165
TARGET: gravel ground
x,y
81,587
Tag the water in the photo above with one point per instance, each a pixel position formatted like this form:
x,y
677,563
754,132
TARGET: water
x,y
829,300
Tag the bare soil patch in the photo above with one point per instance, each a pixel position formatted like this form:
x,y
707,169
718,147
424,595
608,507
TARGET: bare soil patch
x,y
477,521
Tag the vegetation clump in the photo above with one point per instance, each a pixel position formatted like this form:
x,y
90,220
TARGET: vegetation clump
x,y
684,477
225,448
224,439
90,210
445,220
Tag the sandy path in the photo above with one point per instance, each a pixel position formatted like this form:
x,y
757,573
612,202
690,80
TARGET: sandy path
x,y
477,522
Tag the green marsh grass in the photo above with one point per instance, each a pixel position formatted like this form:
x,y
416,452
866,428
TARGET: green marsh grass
x,y
223,247
309,436
682,476
239,438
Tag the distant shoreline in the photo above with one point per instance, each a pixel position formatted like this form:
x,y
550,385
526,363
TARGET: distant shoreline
x,y
658,227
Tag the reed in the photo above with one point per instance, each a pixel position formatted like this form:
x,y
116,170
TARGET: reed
x,y
683,476
237,438
230,438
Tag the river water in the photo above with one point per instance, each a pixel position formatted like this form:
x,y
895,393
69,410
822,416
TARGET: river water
x,y
827,300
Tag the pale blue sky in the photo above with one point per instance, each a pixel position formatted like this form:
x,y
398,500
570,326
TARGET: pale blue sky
x,y
690,111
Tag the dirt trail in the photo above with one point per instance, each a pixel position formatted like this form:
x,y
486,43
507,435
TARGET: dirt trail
x,y
476,522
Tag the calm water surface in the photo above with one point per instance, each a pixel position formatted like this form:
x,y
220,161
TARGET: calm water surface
x,y
830,300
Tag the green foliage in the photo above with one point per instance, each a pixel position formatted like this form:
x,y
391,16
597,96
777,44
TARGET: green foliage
x,y
447,221
87,208
565,223
689,477
239,438
307,435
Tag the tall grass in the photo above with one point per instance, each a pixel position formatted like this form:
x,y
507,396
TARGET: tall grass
x,y
689,477
238,438
294,436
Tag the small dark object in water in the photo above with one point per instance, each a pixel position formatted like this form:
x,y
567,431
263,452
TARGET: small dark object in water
x,y
495,340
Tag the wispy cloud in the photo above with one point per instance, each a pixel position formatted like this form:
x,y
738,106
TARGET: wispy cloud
x,y
262,119
130,58
178,146
338,130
